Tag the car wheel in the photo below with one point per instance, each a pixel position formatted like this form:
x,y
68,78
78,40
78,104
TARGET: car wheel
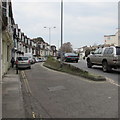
x,y
106,67
89,64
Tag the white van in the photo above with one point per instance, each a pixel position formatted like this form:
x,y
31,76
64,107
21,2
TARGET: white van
x,y
30,56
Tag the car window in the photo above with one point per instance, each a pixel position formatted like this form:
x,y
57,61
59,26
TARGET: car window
x,y
71,54
108,51
98,51
117,50
22,58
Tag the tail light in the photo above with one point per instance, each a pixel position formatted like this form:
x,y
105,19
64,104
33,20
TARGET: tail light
x,y
16,61
28,61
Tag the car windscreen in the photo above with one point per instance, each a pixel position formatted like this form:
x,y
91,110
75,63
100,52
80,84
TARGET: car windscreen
x,y
22,58
71,54
117,50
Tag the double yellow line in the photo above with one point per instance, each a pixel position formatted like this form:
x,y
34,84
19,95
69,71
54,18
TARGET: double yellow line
x,y
27,87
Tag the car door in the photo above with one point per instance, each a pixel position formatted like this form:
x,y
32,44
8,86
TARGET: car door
x,y
94,56
109,56
99,56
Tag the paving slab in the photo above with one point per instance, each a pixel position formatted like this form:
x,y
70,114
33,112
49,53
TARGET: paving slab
x,y
12,100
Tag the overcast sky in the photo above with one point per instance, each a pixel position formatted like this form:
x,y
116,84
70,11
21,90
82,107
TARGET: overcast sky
x,y
85,23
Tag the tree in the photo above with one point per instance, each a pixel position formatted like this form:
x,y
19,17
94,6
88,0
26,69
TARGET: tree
x,y
67,47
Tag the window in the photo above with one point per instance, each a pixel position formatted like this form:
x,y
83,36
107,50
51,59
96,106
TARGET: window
x,y
22,58
108,51
98,51
117,50
8,53
4,8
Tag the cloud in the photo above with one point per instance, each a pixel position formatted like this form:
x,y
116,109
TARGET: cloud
x,y
93,23
84,22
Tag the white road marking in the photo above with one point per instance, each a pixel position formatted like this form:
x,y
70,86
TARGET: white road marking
x,y
112,82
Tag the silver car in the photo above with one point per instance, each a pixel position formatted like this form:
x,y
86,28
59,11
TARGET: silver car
x,y
108,58
23,62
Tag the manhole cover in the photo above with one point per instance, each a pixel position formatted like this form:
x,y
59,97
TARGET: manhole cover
x,y
56,88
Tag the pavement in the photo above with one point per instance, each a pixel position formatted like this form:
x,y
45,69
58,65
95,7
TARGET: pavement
x,y
12,99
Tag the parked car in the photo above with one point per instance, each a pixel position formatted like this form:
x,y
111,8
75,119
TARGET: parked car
x,y
23,62
108,58
44,59
33,61
41,59
71,57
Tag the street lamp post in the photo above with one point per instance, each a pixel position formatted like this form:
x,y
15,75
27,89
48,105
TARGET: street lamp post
x,y
49,28
61,52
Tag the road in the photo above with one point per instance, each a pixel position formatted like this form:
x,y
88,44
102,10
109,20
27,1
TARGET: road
x,y
51,94
114,75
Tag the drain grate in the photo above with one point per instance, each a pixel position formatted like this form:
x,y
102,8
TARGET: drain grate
x,y
56,88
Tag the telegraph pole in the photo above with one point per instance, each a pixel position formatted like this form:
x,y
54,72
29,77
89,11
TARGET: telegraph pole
x,y
61,60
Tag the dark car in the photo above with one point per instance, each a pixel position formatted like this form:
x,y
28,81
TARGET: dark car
x,y
71,57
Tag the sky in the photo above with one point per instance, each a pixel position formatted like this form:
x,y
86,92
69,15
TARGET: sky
x,y
84,23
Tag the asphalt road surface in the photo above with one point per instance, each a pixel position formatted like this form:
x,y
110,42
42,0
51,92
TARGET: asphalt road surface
x,y
51,94
114,75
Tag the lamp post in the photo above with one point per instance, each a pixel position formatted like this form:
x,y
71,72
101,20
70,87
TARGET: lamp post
x,y
61,52
49,28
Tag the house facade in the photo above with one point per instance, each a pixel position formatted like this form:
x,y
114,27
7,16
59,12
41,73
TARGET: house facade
x,y
1,40
7,35
14,42
112,39
53,50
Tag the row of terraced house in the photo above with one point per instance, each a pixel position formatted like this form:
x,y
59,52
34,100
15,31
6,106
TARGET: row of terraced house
x,y
15,43
37,46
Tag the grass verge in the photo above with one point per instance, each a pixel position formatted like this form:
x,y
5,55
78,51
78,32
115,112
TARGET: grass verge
x,y
67,68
